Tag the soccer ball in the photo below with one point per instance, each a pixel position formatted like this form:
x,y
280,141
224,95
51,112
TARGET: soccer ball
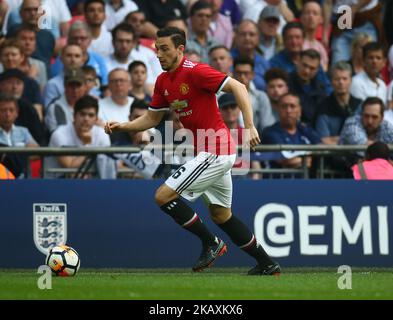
x,y
63,260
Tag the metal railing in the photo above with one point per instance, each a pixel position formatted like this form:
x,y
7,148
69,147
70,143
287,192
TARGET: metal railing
x,y
316,151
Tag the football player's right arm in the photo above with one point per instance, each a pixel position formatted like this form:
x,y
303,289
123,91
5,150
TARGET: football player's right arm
x,y
149,120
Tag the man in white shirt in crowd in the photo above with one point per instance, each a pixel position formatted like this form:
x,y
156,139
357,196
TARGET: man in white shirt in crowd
x,y
117,10
127,50
82,132
367,83
94,12
117,105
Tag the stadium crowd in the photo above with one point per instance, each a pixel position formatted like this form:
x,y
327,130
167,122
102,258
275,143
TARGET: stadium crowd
x,y
68,66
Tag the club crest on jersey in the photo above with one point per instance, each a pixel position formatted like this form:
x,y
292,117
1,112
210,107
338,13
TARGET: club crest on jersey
x,y
184,88
178,105
50,225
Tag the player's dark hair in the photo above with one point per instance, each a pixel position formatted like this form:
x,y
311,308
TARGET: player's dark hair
x,y
373,46
86,102
276,73
243,60
89,2
125,27
178,36
311,53
377,150
374,100
134,64
292,25
199,5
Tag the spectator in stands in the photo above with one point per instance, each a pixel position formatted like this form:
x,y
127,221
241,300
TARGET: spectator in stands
x,y
246,44
177,22
333,110
254,9
270,41
137,20
61,110
293,38
276,86
288,58
12,82
35,68
158,13
192,55
289,130
311,18
220,59
80,35
81,133
367,83
117,105
366,17
230,113
12,57
356,60
377,164
243,71
305,84
117,10
92,82
12,135
199,39
138,72
368,127
29,13
94,12
72,58
221,28
127,50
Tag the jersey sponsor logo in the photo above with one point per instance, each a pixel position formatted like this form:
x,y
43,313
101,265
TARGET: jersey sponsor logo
x,y
184,88
179,104
49,225
166,93
186,113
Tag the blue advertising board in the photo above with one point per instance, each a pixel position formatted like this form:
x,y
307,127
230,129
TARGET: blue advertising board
x,y
117,223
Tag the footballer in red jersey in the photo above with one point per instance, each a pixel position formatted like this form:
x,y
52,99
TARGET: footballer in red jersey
x,y
189,89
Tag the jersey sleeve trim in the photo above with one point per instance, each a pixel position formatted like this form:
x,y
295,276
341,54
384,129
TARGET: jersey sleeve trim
x,y
222,84
158,109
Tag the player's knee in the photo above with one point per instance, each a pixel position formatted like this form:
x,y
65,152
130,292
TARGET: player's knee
x,y
220,216
163,196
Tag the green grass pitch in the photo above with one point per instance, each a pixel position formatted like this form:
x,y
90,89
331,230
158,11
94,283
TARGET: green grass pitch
x,y
214,284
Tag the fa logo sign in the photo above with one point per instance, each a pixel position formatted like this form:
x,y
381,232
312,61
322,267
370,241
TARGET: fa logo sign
x,y
44,281
345,281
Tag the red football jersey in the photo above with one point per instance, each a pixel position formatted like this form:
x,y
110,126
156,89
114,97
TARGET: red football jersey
x,y
190,91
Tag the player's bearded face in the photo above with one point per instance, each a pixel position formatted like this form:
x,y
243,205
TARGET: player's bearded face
x,y
167,54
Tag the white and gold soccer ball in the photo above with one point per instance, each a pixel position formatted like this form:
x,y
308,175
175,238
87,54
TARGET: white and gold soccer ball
x,y
63,260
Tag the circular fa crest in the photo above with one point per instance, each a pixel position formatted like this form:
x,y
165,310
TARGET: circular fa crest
x,y
184,88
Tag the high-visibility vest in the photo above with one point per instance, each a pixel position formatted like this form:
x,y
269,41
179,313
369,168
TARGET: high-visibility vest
x,y
5,174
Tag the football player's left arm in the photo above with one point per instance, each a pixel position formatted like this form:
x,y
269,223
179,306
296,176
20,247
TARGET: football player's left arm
x,y
240,92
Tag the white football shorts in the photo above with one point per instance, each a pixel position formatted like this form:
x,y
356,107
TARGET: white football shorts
x,y
207,175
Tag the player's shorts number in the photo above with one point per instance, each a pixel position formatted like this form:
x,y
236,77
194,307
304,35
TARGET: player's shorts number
x,y
178,173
